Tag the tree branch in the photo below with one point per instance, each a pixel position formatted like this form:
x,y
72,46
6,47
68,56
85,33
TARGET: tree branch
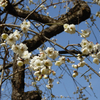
x,y
13,10
76,15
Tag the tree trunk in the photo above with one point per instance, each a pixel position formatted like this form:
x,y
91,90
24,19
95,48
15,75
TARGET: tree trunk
x,y
18,84
17,81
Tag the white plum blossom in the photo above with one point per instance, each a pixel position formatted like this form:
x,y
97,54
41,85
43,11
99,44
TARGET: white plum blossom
x,y
35,68
97,1
26,61
11,39
85,33
98,54
85,51
25,26
34,83
90,46
98,14
47,14
45,76
81,64
61,96
75,74
50,80
49,51
3,3
47,62
53,73
42,6
26,55
45,71
38,63
93,55
15,48
3,44
66,26
79,57
57,82
74,66
27,7
35,58
96,61
43,55
69,28
17,34
84,43
54,6
22,48
63,1
20,63
72,61
30,2
45,8
54,55
32,61
49,86
58,63
62,59
4,36
96,47
37,73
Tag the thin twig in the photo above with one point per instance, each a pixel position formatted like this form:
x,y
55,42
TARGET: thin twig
x,y
92,69
85,72
6,52
35,9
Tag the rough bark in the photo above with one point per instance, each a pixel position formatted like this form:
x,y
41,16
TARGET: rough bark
x,y
18,84
13,10
17,81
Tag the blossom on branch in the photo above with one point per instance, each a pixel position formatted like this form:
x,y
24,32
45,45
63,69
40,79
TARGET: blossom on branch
x,y
69,28
25,26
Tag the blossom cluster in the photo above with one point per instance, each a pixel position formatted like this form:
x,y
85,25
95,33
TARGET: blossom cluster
x,y
69,28
85,33
60,61
41,65
97,1
90,49
43,7
3,3
25,26
93,50
12,38
20,49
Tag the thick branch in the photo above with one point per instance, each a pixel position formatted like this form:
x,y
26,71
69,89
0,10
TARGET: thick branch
x,y
76,15
31,95
23,14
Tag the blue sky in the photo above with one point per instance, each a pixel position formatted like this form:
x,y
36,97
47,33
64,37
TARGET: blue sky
x,y
67,86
